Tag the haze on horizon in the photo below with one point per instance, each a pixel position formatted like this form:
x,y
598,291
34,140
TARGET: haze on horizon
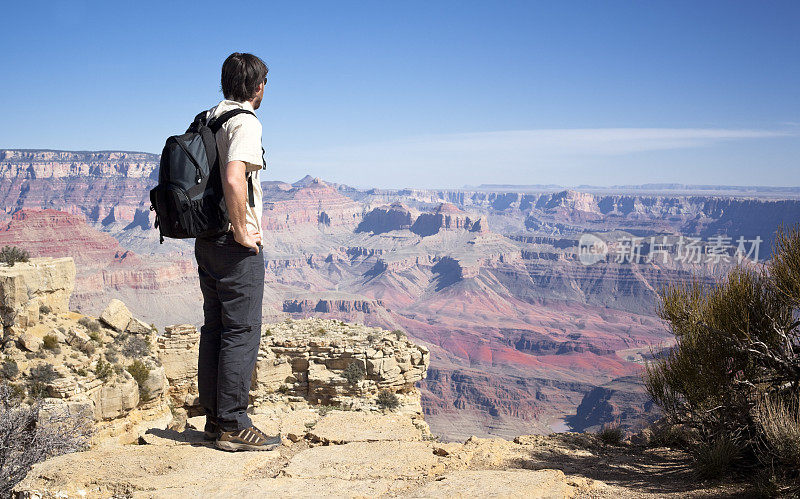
x,y
430,94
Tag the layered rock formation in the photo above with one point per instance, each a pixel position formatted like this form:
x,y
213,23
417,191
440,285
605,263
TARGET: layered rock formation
x,y
311,359
27,287
508,307
32,164
119,370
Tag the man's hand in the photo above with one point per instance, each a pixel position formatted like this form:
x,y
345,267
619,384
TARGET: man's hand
x,y
250,240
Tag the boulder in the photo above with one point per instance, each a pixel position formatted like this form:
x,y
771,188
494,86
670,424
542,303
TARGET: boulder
x,y
155,382
116,315
135,326
30,342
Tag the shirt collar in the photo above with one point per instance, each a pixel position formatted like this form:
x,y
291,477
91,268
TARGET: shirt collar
x,y
243,105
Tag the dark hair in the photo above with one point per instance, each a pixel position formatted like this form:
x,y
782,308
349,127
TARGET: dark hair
x,y
241,74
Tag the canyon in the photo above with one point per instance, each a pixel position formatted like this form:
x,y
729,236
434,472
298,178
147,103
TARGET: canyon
x,y
523,336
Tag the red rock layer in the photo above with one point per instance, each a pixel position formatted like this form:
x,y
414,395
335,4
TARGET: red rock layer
x,y
55,233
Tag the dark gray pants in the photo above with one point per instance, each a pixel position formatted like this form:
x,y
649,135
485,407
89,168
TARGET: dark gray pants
x,y
232,282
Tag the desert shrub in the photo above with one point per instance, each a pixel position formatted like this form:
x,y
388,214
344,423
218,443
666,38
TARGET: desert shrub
x,y
387,399
29,435
9,369
319,332
84,321
283,389
82,372
373,337
736,340
44,309
135,346
354,373
50,342
668,435
399,334
111,354
39,378
610,435
95,336
140,373
103,369
88,348
779,423
13,254
715,459
93,326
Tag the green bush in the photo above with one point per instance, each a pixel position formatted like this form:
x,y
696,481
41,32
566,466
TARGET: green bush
x,y
610,435
103,369
354,373
387,399
50,342
13,254
140,373
95,336
40,376
736,341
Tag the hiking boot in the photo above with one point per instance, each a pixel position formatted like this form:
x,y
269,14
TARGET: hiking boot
x,y
211,431
247,439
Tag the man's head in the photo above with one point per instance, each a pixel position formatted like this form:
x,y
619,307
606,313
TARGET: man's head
x,y
243,78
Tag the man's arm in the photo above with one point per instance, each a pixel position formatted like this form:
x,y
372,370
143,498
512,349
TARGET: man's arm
x,y
234,187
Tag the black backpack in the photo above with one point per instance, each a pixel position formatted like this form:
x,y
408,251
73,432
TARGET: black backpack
x,y
188,199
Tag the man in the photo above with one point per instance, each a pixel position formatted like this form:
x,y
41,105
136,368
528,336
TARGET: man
x,y
231,267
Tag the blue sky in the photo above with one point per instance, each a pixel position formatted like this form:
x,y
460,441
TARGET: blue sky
x,y
428,94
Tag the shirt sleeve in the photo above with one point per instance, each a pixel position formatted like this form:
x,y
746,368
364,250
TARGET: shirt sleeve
x,y
244,137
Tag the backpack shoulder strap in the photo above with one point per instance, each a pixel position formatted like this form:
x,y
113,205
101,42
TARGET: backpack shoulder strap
x,y
220,120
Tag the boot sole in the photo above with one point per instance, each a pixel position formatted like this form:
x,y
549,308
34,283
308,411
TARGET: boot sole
x,y
233,446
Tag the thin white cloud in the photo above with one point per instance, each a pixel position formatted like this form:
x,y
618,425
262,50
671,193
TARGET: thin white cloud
x,y
568,141
512,150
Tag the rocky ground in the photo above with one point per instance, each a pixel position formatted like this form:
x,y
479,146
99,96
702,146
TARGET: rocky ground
x,y
354,454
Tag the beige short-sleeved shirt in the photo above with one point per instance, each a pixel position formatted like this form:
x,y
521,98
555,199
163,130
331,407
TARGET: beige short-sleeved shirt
x,y
239,139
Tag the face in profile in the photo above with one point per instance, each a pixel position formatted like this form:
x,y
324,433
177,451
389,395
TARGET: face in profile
x,y
259,96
